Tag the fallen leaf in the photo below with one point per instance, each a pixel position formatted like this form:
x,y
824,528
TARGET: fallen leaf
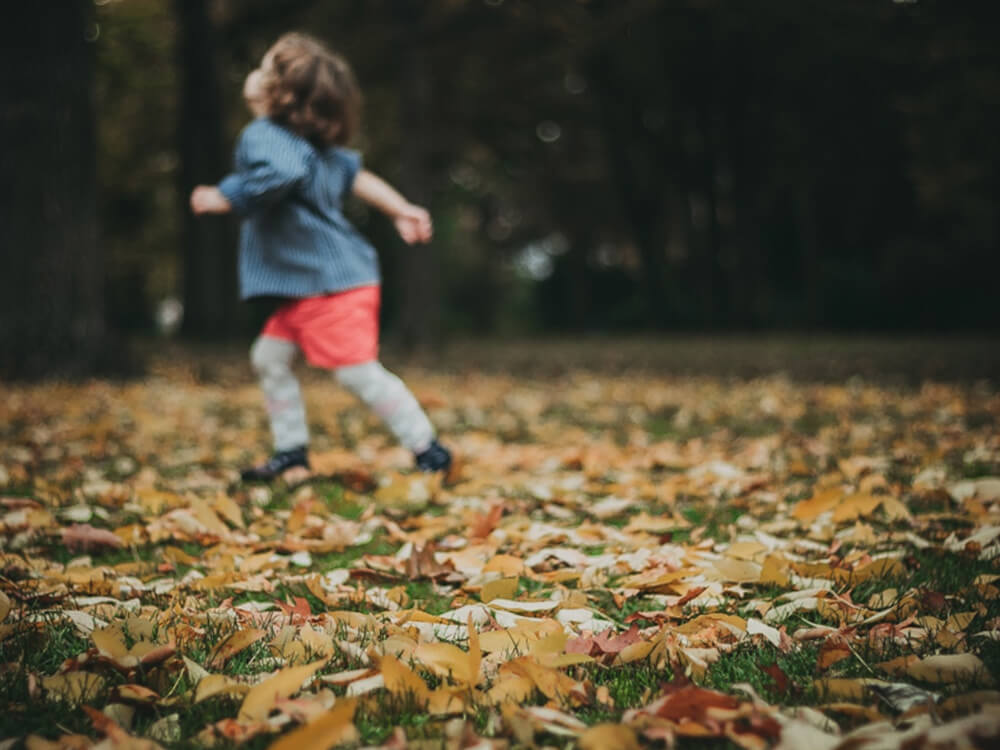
x,y
231,645
261,698
335,727
80,537
608,737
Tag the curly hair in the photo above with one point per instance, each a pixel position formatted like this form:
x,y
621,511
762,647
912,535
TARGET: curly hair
x,y
310,90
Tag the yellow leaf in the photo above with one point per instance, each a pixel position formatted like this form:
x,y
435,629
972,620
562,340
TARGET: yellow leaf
x,y
883,599
73,687
178,556
262,697
444,701
207,517
950,668
511,687
216,684
504,588
401,680
555,643
740,571
634,652
775,571
226,507
608,737
733,622
960,621
445,660
5,606
335,727
845,688
316,642
855,506
557,661
505,641
553,684
886,568
400,646
507,565
894,509
110,641
742,551
256,563
821,501
232,645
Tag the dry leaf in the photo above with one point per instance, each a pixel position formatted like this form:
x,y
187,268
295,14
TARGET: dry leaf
x,y
608,737
261,698
73,687
232,645
335,727
81,537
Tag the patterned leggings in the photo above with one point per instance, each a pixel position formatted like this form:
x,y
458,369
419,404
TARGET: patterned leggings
x,y
380,390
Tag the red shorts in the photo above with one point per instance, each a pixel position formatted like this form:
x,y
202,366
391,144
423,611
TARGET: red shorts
x,y
333,330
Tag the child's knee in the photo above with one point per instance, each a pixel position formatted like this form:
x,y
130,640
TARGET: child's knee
x,y
356,378
270,355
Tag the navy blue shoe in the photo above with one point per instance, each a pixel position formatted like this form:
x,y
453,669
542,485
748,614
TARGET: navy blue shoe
x,y
277,465
435,458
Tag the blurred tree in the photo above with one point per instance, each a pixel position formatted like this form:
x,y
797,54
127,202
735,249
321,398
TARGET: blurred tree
x,y
209,242
645,164
420,305
51,311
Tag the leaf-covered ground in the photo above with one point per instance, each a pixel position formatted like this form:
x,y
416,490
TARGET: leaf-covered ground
x,y
617,561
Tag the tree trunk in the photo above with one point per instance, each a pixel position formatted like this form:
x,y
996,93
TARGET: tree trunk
x,y
420,293
209,242
51,308
641,184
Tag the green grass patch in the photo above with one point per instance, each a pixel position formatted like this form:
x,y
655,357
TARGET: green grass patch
x,y
784,678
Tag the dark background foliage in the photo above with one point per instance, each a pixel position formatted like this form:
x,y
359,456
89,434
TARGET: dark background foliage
x,y
592,166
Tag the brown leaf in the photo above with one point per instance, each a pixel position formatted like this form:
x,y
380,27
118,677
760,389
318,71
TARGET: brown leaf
x,y
421,564
482,525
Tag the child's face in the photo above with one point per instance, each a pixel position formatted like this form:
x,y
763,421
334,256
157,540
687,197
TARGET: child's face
x,y
253,93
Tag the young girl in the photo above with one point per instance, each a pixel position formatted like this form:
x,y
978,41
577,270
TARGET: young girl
x,y
291,175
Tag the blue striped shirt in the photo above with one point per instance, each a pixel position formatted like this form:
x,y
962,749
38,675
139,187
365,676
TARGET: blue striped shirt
x,y
294,239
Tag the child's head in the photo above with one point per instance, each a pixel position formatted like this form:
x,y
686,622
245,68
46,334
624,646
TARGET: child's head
x,y
307,88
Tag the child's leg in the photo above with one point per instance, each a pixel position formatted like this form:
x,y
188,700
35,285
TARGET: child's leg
x,y
272,359
387,395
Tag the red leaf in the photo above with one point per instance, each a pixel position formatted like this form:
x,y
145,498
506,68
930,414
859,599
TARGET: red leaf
x,y
779,677
300,607
610,643
484,524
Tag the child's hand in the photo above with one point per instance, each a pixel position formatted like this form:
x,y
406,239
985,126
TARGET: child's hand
x,y
414,224
207,199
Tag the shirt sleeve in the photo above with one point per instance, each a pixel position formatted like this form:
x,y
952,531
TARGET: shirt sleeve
x,y
270,163
350,164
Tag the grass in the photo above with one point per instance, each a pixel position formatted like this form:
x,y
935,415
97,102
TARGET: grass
x,y
812,428
789,683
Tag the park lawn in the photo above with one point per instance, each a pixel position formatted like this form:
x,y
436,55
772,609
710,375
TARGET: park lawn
x,y
619,559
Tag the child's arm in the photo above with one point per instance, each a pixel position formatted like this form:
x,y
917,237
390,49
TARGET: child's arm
x,y
412,222
274,162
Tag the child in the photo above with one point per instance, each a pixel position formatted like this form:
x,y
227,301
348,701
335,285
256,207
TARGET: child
x,y
291,175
